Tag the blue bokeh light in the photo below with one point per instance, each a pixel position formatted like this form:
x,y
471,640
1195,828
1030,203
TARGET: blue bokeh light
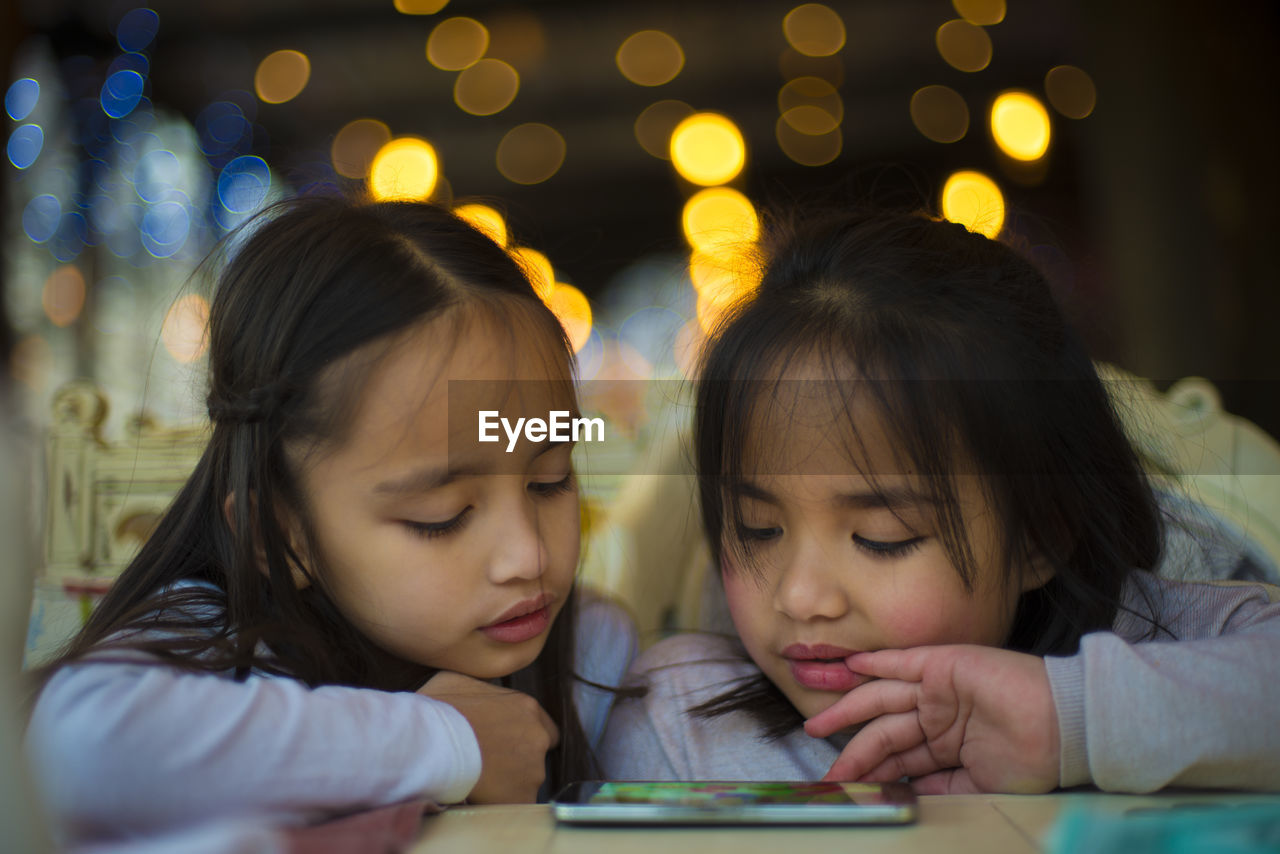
x,y
651,332
164,228
121,93
591,356
41,216
25,144
137,28
221,126
21,98
130,62
69,239
243,184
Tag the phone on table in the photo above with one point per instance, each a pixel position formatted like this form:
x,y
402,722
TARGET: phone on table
x,y
734,802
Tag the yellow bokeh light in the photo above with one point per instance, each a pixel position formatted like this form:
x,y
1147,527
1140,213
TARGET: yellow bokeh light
x,y
1071,91
793,64
656,123
719,220
484,219
708,149
985,13
406,168
963,45
282,76
573,310
811,105
530,153
486,88
973,200
940,113
650,58
537,269
1020,125
457,43
420,7
63,295
814,29
355,146
720,291
186,328
808,149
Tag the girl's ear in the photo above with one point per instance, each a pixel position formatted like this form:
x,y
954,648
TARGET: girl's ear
x,y
1036,572
300,579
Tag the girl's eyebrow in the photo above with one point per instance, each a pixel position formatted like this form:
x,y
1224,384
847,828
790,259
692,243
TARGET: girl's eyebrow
x,y
887,497
427,478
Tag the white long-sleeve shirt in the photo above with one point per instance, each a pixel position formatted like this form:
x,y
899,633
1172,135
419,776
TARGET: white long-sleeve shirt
x,y
1133,716
125,750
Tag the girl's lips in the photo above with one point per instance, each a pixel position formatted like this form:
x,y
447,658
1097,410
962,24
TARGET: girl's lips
x,y
821,667
522,621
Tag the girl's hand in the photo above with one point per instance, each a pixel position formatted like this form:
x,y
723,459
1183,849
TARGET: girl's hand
x,y
514,733
953,718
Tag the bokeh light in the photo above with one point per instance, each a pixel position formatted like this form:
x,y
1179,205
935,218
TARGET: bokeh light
x,y
650,58
963,45
530,153
808,149
41,216
25,144
708,149
406,168
457,43
719,221
811,105
221,127
1020,125
121,93
973,200
137,28
355,146
243,184
720,292
484,219
985,13
1071,91
63,295
518,37
487,87
940,113
537,268
156,173
185,332
814,29
573,310
420,7
164,228
792,64
282,76
21,98
656,123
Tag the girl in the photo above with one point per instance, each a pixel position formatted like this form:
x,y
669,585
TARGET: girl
x,y
935,544
351,602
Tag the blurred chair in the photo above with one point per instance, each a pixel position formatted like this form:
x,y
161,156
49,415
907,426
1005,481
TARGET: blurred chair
x,y
1217,477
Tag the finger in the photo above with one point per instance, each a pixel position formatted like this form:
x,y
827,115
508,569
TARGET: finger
x,y
915,762
867,701
550,726
905,664
874,743
952,781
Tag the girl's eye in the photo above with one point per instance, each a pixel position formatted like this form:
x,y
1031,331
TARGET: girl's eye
x,y
429,530
886,550
759,535
557,487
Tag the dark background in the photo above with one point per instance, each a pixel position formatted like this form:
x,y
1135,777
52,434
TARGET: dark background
x,y
1159,208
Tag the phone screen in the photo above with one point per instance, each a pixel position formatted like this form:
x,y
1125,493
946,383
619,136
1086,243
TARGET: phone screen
x,y
735,802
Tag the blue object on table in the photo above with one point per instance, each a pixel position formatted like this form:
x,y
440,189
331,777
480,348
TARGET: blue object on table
x,y
1182,828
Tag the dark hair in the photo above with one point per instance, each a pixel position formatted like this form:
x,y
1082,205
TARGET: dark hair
x,y
313,280
957,341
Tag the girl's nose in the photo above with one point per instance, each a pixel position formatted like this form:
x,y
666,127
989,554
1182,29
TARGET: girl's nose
x,y
519,549
810,586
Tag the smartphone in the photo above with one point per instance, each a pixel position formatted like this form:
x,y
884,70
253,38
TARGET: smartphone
x,y
734,802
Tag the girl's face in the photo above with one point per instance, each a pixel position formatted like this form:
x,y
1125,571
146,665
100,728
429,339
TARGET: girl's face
x,y
846,563
444,551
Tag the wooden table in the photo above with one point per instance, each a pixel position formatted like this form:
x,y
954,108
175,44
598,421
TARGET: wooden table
x,y
948,824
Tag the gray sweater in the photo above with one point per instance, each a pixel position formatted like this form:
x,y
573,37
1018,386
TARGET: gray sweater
x,y
1133,716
